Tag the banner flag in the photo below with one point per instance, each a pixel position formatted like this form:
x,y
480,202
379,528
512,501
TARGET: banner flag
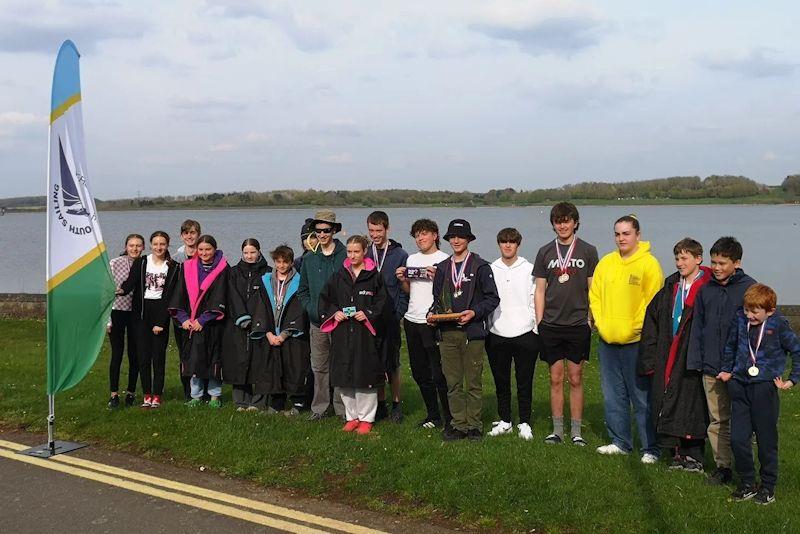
x,y
80,290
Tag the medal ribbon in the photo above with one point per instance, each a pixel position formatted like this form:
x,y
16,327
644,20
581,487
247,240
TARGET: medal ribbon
x,y
379,262
564,261
281,293
753,353
458,277
685,289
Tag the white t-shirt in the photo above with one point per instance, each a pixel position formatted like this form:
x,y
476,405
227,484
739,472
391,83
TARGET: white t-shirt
x,y
154,279
421,295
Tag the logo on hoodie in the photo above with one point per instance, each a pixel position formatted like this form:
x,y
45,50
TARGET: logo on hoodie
x,y
635,280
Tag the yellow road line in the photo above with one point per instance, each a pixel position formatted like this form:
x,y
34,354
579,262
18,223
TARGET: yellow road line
x,y
206,493
162,494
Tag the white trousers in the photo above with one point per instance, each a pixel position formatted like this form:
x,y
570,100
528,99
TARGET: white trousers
x,y
360,403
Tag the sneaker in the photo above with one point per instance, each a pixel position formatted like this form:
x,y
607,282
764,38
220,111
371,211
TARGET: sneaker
x,y
113,402
553,439
240,408
382,411
722,475
193,403
677,464
764,496
155,402
292,412
525,431
579,441
396,416
430,423
453,434
351,425
130,399
148,402
499,428
692,465
473,434
744,492
610,449
648,458
215,403
364,428
314,416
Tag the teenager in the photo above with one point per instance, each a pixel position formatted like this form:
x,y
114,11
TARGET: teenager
x,y
388,255
199,305
714,312
423,349
564,269
318,267
283,323
678,405
463,284
121,324
352,311
624,283
512,335
151,280
190,231
240,356
308,244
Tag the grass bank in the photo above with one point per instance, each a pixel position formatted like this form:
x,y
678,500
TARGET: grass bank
x,y
499,483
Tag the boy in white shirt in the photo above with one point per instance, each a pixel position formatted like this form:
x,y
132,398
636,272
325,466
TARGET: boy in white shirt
x,y
423,352
513,334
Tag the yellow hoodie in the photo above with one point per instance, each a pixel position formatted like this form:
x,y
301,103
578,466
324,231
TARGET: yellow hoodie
x,y
620,292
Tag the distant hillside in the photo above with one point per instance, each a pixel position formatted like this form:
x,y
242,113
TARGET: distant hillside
x,y
675,190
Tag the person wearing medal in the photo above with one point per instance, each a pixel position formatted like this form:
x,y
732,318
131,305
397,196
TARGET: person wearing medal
x,y
282,324
240,356
678,404
388,255
714,310
464,286
624,283
564,269
752,366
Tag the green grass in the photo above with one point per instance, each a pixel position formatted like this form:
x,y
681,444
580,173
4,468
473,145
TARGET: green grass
x,y
498,483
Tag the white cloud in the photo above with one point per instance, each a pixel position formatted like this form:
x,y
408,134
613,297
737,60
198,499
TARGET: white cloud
x,y
756,63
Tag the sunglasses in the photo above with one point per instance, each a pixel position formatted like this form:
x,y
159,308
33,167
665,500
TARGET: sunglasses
x,y
323,230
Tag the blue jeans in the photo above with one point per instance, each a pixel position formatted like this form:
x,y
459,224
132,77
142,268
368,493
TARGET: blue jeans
x,y
622,387
214,387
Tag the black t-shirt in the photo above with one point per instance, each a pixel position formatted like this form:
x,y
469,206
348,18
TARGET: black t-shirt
x,y
567,303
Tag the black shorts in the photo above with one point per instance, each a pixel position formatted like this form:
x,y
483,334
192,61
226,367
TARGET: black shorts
x,y
560,342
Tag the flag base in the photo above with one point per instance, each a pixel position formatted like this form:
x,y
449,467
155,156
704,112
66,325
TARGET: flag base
x,y
59,447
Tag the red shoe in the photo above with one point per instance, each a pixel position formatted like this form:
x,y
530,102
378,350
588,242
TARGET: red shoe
x,y
351,425
155,402
364,428
147,402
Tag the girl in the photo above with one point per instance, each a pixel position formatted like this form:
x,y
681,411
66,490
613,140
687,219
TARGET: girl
x,y
239,354
284,325
198,305
151,280
351,304
121,323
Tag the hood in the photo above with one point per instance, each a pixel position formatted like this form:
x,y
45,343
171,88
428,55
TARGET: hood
x,y
394,244
259,265
337,246
738,277
642,251
675,277
369,265
501,265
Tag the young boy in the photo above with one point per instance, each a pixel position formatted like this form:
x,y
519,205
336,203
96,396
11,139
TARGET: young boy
x,y
190,232
318,267
678,405
463,284
423,351
388,256
714,310
755,358
513,335
564,269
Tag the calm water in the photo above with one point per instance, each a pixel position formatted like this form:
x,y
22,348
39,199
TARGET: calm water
x,y
769,234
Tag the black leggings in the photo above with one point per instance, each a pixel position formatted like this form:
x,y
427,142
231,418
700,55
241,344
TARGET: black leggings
x,y
426,368
121,324
523,350
152,352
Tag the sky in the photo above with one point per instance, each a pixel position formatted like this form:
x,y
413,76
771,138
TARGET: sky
x,y
186,97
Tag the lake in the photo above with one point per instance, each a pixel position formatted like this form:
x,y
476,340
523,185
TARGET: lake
x,y
769,234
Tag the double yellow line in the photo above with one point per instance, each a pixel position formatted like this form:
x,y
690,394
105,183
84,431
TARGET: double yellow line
x,y
257,512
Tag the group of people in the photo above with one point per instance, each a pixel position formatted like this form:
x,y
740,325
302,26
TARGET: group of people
x,y
698,355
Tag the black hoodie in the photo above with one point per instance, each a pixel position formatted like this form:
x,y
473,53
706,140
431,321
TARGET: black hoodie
x,y
714,313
